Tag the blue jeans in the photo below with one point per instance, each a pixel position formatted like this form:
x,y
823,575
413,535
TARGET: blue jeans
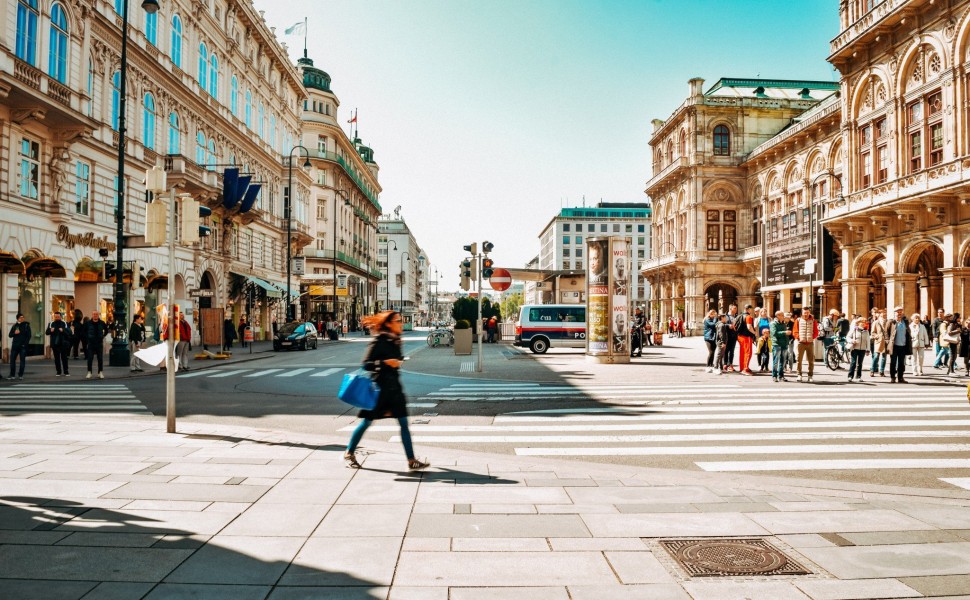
x,y
19,350
855,364
878,362
364,424
778,356
936,353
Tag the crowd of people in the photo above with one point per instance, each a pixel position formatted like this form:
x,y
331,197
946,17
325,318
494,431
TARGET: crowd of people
x,y
785,344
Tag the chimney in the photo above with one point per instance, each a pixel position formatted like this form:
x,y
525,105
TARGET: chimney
x,y
696,87
657,124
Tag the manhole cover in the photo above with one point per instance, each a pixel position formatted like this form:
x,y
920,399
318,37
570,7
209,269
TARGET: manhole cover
x,y
731,557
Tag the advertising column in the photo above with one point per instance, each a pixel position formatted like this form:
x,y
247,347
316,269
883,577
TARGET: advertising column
x,y
607,300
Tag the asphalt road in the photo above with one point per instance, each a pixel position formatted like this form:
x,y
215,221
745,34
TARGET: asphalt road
x,y
661,411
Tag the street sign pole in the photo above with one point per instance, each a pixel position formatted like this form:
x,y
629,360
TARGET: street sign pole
x,y
479,368
172,327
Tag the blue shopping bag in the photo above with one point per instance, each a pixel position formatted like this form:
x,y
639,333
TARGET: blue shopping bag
x,y
358,389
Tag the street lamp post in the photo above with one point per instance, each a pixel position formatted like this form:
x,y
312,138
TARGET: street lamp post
x,y
119,355
288,209
346,203
387,277
403,280
815,234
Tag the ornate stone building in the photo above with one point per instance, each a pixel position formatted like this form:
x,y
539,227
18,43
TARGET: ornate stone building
x,y
855,200
208,87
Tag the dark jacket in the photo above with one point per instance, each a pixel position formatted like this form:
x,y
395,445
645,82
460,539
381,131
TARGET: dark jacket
x,y
391,401
228,331
891,346
136,333
60,334
710,329
22,338
94,332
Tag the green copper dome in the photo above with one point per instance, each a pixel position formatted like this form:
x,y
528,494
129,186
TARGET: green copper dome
x,y
314,78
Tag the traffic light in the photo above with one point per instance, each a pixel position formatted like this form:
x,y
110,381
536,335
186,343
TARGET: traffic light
x,y
472,248
155,223
463,271
192,214
486,266
108,271
487,247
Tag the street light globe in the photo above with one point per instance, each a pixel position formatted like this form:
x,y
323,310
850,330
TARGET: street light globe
x,y
150,6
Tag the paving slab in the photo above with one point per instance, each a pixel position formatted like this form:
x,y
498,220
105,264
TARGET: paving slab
x,y
376,520
304,491
238,560
744,590
877,538
115,540
660,591
187,491
332,593
27,589
672,525
494,494
181,591
643,495
375,490
942,585
148,521
910,560
862,589
118,590
89,564
46,488
497,526
347,561
836,521
498,569
516,593
499,545
273,519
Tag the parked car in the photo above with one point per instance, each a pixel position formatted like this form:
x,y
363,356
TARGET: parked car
x,y
295,335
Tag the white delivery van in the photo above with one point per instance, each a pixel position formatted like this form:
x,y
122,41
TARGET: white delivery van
x,y
543,326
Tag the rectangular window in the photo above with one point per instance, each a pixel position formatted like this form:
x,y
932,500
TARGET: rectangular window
x,y
628,229
916,151
641,241
565,265
730,237
805,221
730,216
936,144
82,188
880,127
321,144
756,228
565,227
29,168
578,239
916,112
579,252
713,237
714,215
934,104
591,228
640,229
865,135
565,252
866,174
602,228
882,160
565,240
616,228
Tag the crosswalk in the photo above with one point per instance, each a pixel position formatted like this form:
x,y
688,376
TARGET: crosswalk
x,y
252,373
90,397
725,428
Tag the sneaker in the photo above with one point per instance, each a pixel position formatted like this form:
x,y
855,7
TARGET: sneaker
x,y
785,379
799,380
775,379
58,375
416,465
100,375
67,374
718,371
709,370
872,374
810,380
850,380
88,376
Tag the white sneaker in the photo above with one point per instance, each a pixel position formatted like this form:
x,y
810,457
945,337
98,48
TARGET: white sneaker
x,y
100,375
88,376
799,380
717,371
810,380
851,380
709,370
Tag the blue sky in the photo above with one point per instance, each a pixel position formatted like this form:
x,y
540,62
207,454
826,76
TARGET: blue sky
x,y
488,116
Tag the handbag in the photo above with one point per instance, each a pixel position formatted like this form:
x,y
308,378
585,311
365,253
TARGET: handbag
x,y
358,389
950,338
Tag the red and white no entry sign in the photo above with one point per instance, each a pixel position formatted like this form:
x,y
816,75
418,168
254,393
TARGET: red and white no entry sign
x,y
500,280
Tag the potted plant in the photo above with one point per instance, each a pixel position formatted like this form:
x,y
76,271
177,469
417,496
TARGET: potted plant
x,y
463,337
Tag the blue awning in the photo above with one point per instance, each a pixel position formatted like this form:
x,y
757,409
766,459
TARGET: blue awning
x,y
271,290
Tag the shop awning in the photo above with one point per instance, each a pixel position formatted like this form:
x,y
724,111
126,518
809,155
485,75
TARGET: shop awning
x,y
44,267
9,263
156,282
294,292
271,290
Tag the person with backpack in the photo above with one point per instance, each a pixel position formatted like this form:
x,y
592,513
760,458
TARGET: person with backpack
x,y
746,332
59,332
827,329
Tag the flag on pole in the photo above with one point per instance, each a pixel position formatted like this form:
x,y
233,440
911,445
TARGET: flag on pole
x,y
298,28
353,119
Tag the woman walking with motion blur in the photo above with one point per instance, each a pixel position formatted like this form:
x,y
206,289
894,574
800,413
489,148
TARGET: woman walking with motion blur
x,y
384,358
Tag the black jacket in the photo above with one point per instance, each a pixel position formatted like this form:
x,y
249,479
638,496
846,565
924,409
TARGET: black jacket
x,y
23,337
94,332
60,333
391,401
136,333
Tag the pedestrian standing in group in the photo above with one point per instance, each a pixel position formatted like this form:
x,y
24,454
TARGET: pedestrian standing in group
x,y
780,340
77,323
228,335
950,340
243,326
710,333
805,333
764,321
790,318
827,329
935,336
384,359
764,350
746,332
20,335
59,332
721,340
733,320
878,337
93,333
857,341
964,350
899,345
921,341
136,341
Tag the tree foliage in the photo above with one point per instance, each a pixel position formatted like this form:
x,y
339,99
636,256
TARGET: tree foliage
x,y
511,304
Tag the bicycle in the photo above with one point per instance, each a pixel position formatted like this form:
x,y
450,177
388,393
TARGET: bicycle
x,y
440,337
836,354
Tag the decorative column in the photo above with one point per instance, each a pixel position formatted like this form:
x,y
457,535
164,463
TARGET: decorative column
x,y
957,282
770,299
901,291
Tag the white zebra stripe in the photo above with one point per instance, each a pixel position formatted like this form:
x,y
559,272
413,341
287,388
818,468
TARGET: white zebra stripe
x,y
740,450
327,372
294,373
701,437
837,465
229,373
262,372
679,426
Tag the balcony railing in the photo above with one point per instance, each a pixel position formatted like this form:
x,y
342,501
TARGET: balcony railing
x,y
351,172
864,23
677,163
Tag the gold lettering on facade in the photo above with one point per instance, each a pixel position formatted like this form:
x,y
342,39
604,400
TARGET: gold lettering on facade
x,y
70,240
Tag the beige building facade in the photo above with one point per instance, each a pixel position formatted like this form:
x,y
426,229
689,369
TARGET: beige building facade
x,y
851,200
208,87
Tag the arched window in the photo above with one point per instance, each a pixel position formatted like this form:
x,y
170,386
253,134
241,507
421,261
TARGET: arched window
x,y
176,49
211,162
249,109
214,76
683,143
148,122
203,65
260,124
722,141
174,134
234,97
57,63
27,15
115,99
200,148
151,28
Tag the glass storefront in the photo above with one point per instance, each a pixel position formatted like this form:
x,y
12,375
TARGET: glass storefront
x,y
31,304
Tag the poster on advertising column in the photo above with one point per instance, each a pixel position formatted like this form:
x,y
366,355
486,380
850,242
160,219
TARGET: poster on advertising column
x,y
607,299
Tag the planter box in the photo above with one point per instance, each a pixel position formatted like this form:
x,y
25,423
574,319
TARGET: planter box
x,y
463,341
